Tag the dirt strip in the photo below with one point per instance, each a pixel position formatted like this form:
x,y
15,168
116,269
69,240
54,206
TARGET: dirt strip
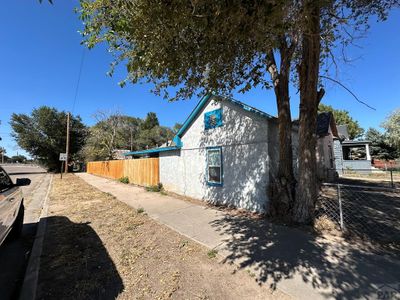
x,y
96,247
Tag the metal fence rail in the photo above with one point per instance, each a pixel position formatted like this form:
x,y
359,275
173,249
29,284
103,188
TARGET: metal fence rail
x,y
377,177
366,211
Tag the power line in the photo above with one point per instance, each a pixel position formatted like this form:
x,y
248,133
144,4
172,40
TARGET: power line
x,y
79,78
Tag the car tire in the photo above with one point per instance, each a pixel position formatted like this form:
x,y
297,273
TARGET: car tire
x,y
18,224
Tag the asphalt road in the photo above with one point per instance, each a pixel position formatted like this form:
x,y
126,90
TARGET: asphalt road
x,y
14,255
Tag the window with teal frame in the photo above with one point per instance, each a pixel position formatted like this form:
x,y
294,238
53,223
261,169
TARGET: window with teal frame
x,y
214,166
213,119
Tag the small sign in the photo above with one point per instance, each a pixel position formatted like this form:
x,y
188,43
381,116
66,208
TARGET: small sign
x,y
63,156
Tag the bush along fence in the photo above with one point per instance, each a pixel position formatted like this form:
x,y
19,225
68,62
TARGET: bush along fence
x,y
144,172
370,212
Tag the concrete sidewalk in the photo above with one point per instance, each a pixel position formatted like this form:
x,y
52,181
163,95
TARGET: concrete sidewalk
x,y
300,264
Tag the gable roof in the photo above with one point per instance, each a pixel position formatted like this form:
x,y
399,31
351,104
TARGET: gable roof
x,y
343,132
325,120
177,142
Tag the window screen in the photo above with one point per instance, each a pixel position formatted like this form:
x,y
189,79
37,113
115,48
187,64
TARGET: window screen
x,y
214,166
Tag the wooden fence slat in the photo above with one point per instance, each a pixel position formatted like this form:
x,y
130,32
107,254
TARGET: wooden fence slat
x,y
144,171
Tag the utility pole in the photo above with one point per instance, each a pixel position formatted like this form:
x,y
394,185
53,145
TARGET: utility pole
x,y
67,146
131,130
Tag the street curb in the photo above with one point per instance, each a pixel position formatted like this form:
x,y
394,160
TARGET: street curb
x,y
29,286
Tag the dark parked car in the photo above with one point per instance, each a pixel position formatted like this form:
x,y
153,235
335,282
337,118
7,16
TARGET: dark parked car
x,y
11,206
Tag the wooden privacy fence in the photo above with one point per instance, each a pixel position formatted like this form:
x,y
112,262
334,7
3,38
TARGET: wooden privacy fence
x,y
144,171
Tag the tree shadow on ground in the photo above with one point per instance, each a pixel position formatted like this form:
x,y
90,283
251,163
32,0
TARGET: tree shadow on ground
x,y
75,264
277,253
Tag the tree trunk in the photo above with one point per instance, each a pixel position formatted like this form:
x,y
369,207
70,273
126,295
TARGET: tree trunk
x,y
306,192
282,187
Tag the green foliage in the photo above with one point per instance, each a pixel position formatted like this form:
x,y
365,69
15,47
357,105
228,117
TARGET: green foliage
x,y
43,134
342,117
155,188
176,127
124,179
115,131
140,210
212,253
214,45
17,159
150,121
392,127
380,148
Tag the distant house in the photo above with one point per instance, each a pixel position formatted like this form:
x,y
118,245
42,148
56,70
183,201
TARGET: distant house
x,y
225,153
119,153
350,154
327,135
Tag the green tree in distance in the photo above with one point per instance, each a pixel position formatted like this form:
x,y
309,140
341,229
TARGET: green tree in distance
x,y
43,134
392,127
114,131
342,117
150,121
380,148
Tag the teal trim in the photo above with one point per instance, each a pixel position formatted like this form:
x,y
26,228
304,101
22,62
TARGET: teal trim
x,y
211,183
217,115
251,109
193,114
177,141
154,150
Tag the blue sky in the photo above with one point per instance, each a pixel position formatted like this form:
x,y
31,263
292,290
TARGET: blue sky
x,y
40,55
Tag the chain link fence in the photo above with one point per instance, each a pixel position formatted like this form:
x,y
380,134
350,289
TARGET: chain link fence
x,y
374,177
368,211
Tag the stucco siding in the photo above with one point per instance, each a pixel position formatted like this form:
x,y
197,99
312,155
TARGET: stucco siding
x,y
246,159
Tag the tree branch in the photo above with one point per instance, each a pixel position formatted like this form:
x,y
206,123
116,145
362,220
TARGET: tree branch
x,y
347,89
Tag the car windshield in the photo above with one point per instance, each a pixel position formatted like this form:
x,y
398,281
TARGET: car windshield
x,y
5,181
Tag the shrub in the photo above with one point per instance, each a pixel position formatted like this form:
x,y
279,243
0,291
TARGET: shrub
x,y
155,188
212,253
124,180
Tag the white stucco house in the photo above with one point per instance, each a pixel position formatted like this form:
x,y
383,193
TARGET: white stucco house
x,y
224,154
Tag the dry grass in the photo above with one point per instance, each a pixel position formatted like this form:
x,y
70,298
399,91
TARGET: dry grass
x,y
324,224
99,248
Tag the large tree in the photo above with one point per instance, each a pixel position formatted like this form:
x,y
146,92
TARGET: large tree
x,y
392,127
342,117
223,46
380,147
43,134
114,131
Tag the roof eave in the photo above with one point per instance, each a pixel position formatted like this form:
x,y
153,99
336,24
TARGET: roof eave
x,y
153,150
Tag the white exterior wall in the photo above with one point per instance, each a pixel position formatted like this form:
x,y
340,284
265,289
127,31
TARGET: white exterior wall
x,y
244,141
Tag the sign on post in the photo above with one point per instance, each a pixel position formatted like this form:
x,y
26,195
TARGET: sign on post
x,y
63,156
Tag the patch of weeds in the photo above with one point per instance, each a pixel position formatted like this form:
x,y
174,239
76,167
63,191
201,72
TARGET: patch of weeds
x,y
251,274
110,195
183,243
212,253
140,210
164,193
324,224
155,188
124,179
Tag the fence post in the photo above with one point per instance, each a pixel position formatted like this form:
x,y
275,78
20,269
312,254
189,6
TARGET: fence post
x,y
391,178
340,208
